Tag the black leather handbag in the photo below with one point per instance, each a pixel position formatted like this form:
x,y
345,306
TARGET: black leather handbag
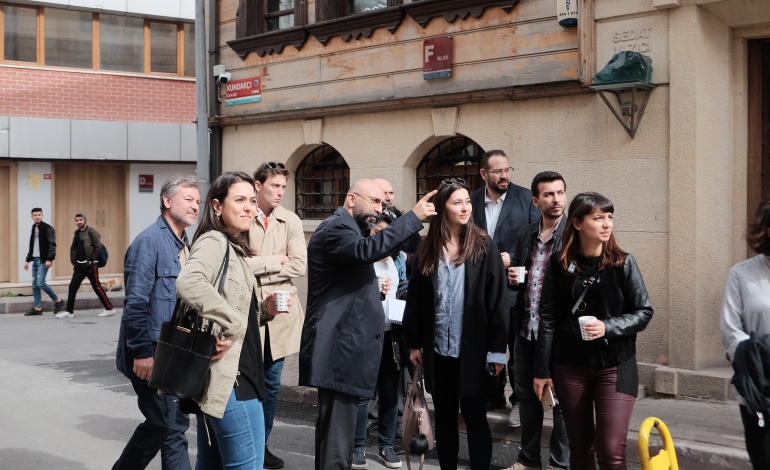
x,y
185,348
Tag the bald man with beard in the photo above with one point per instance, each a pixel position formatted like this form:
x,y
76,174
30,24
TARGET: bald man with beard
x,y
343,331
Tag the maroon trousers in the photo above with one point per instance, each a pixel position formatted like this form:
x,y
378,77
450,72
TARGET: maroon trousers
x,y
596,416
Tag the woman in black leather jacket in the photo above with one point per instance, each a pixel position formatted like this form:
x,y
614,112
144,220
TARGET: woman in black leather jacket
x,y
595,378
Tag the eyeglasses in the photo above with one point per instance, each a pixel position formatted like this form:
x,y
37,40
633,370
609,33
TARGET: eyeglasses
x,y
500,171
453,181
372,200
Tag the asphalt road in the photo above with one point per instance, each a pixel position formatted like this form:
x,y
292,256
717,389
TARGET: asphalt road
x,y
64,406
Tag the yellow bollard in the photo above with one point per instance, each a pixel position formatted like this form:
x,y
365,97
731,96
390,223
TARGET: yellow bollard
x,y
666,458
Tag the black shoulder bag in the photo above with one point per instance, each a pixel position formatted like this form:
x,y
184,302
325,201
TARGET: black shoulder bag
x,y
185,348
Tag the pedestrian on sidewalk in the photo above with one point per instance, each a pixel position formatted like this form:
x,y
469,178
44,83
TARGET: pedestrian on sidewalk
x,y
388,371
42,252
594,375
456,323
278,241
534,247
746,310
503,209
231,428
343,331
151,266
85,251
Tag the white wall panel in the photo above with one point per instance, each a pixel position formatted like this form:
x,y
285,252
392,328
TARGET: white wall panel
x,y
189,143
29,198
99,140
154,141
39,138
144,208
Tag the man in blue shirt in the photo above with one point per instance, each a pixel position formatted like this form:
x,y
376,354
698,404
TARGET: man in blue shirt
x,y
151,266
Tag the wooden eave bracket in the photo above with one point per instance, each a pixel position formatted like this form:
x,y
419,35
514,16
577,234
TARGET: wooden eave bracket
x,y
422,12
356,26
364,24
269,43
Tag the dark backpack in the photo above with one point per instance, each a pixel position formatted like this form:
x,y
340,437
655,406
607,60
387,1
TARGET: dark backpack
x,y
103,257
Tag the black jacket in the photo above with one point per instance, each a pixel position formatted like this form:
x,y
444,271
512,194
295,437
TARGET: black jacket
x,y
342,335
92,244
46,242
517,213
619,298
485,320
523,257
751,364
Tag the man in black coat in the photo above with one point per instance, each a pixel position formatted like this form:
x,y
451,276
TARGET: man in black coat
x,y
502,209
343,330
42,252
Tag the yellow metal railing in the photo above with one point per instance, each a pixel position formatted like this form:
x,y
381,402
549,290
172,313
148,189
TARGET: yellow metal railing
x,y
666,458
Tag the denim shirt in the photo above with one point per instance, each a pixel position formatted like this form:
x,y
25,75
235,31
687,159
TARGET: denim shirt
x,y
151,267
450,303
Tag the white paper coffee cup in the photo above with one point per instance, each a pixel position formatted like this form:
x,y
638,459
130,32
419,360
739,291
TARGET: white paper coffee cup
x,y
520,272
282,300
381,281
583,321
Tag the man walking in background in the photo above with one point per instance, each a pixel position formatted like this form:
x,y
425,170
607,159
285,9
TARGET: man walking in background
x,y
152,264
502,209
534,247
42,252
278,239
84,255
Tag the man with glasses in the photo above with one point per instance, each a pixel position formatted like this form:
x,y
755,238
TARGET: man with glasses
x,y
503,209
278,239
343,332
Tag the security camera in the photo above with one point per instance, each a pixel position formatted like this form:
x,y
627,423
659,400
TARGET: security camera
x,y
224,78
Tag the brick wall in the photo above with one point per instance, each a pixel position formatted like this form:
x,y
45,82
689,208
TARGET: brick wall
x,y
33,92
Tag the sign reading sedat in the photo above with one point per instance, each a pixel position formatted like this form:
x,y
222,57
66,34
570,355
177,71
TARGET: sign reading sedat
x,y
636,39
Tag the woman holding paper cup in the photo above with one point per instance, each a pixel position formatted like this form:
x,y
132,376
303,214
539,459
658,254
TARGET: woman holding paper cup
x,y
456,323
593,304
231,430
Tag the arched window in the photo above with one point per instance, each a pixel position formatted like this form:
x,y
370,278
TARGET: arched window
x,y
456,157
321,181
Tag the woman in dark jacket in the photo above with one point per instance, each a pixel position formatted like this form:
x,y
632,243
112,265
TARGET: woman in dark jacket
x,y
592,276
456,323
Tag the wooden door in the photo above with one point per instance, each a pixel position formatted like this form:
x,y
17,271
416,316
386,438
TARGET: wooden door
x,y
98,191
758,125
5,234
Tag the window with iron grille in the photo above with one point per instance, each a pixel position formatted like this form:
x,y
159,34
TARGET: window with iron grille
x,y
456,157
322,180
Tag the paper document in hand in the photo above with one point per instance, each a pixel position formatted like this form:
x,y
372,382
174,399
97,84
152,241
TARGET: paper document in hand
x,y
394,309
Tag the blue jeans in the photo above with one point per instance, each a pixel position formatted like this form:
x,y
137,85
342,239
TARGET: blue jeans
x,y
387,390
273,370
237,439
163,430
39,271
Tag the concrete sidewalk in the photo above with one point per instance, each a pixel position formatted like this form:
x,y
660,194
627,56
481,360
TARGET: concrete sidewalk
x,y
707,435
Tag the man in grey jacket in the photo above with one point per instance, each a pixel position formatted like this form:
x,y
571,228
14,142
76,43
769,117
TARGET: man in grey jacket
x,y
343,331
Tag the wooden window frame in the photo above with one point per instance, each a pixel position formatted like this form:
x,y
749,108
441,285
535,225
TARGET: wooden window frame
x,y
332,19
95,43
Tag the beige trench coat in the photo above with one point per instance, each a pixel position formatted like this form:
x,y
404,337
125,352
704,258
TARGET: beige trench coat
x,y
284,236
230,311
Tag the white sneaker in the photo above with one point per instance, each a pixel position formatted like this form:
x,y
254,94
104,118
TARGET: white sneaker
x,y
107,313
64,314
513,418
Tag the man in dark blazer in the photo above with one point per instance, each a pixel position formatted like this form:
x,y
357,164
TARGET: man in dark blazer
x,y
503,209
342,335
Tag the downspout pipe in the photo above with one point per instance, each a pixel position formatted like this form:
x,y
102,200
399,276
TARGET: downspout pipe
x,y
201,95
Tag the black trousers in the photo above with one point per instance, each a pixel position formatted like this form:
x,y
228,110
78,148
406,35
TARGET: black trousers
x,y
757,440
163,430
446,401
82,271
335,430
